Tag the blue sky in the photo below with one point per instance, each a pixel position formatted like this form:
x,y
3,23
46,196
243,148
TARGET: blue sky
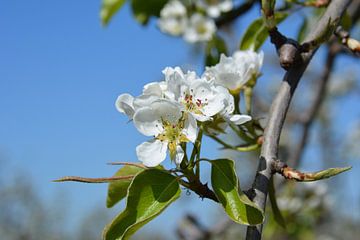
x,y
60,73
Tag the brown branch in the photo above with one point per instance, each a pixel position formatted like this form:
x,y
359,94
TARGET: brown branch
x,y
279,108
93,180
139,165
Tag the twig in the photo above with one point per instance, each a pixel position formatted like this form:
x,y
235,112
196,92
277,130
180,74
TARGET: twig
x,y
139,165
93,180
279,108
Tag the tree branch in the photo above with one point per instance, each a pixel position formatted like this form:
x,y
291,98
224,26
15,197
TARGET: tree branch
x,y
279,108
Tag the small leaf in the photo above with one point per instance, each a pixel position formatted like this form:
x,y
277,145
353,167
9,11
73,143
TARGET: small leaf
x,y
143,10
256,34
226,187
275,209
213,51
290,173
109,8
117,190
151,191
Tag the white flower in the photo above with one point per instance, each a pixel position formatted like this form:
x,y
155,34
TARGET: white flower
x,y
164,120
234,72
173,18
215,7
196,96
199,29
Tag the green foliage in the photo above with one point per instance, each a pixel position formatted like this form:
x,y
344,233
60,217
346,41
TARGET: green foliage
x,y
149,194
226,187
108,9
143,10
213,51
256,34
117,190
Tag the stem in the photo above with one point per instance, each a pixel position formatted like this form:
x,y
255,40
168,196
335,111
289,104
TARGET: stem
x,y
239,132
226,145
237,103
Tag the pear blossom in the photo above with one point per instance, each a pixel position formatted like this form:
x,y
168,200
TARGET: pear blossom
x,y
234,72
199,29
164,120
173,19
214,8
196,96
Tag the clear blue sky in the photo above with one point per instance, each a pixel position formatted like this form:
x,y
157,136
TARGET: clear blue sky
x,y
60,73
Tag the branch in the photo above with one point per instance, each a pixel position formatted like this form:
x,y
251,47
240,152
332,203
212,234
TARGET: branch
x,y
279,108
93,180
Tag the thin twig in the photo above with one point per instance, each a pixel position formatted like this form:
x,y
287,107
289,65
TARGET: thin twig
x,y
93,180
128,164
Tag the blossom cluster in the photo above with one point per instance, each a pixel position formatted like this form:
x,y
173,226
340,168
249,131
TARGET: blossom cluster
x,y
171,110
178,19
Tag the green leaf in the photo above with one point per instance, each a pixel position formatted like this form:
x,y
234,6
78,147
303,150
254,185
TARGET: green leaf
x,y
257,32
226,187
143,10
151,191
275,209
117,190
214,49
108,9
330,172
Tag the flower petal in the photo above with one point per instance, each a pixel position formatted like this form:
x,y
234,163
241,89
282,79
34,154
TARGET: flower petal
x,y
152,153
179,155
239,119
190,128
147,121
124,104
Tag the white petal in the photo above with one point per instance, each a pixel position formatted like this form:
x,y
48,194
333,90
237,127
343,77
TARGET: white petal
x,y
147,121
145,100
179,155
190,128
152,153
153,88
124,104
239,119
167,110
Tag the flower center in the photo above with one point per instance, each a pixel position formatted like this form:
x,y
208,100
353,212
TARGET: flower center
x,y
194,105
173,135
